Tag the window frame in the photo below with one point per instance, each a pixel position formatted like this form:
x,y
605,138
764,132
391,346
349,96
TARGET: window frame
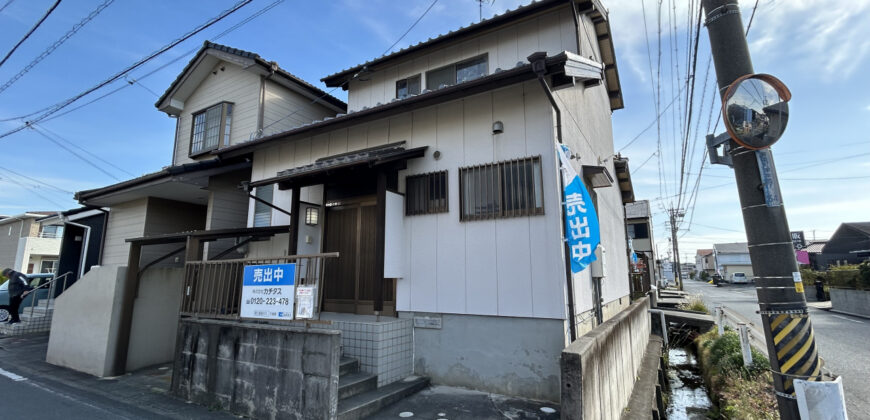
x,y
453,67
499,186
224,128
419,78
442,203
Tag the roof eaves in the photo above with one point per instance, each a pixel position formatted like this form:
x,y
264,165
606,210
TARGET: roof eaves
x,y
492,81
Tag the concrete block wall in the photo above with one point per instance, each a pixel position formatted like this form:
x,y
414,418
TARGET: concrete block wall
x,y
599,368
258,370
852,302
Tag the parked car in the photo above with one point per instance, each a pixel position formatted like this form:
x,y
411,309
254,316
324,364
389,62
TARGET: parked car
x,y
739,278
35,280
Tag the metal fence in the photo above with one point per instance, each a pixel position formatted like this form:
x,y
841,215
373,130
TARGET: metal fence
x,y
38,307
213,289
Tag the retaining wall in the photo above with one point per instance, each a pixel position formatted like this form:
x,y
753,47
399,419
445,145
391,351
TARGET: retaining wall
x,y
599,368
258,370
849,301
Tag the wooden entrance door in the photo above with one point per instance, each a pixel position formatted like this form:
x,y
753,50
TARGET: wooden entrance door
x,y
349,280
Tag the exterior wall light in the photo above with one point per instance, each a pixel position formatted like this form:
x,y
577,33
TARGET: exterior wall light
x,y
311,215
497,127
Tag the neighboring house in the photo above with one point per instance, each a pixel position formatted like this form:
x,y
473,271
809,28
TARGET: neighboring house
x,y
732,258
638,223
814,252
704,262
29,246
850,244
81,243
438,183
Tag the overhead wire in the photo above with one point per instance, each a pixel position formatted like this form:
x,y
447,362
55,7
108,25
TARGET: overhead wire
x,y
71,143
40,182
261,131
56,44
73,152
30,32
5,5
130,68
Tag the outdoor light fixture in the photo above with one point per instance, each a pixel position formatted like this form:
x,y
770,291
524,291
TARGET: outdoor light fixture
x,y
755,110
311,214
497,127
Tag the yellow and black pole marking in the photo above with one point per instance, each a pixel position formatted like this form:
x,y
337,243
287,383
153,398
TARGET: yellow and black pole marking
x,y
795,346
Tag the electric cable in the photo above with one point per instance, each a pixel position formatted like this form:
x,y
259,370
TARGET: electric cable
x,y
30,32
61,138
64,147
139,63
56,44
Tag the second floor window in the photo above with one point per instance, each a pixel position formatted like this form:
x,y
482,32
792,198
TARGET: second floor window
x,y
462,71
638,231
211,128
408,87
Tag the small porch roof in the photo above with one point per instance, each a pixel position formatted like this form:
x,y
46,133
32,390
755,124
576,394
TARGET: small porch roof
x,y
211,235
318,171
183,183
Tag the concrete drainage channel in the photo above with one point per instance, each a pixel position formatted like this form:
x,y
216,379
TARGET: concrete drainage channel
x,y
688,398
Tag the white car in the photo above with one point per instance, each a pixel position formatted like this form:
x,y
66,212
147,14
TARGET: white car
x,y
739,278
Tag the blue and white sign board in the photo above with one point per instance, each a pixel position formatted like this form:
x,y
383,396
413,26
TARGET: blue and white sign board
x,y
268,291
581,220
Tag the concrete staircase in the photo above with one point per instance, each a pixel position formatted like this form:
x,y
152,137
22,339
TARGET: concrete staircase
x,y
36,319
359,395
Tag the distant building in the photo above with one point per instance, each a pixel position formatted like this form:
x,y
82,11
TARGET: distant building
x,y
28,246
732,258
704,261
814,251
850,244
638,223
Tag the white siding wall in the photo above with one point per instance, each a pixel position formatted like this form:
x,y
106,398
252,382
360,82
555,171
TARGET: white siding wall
x,y
284,109
507,267
552,32
587,130
232,85
126,220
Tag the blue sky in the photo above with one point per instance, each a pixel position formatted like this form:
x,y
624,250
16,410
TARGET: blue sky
x,y
818,48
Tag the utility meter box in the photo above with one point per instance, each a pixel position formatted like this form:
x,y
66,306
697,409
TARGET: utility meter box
x,y
599,266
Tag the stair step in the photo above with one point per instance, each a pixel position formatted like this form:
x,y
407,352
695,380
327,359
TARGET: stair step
x,y
348,365
365,404
356,383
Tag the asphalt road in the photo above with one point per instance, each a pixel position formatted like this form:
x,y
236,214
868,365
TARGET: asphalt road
x,y
843,340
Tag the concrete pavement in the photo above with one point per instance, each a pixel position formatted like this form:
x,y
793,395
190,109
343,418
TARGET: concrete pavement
x,y
843,341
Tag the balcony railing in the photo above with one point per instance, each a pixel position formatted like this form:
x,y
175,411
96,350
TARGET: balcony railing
x,y
213,289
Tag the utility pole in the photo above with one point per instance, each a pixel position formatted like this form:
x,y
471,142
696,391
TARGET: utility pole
x,y
783,309
675,214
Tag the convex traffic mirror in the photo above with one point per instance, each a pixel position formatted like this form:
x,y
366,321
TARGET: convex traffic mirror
x,y
755,110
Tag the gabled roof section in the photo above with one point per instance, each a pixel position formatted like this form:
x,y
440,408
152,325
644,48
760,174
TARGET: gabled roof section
x,y
732,248
591,7
172,101
849,237
703,252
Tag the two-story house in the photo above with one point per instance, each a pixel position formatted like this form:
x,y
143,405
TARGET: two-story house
x,y
639,226
29,246
438,184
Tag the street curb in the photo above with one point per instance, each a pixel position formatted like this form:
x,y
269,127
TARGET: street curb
x,y
848,313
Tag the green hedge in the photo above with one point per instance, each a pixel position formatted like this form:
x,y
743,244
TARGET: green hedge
x,y
845,276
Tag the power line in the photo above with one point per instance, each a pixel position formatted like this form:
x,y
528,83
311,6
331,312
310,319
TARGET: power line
x,y
43,183
84,159
27,35
59,137
297,110
6,5
56,44
33,191
139,63
161,67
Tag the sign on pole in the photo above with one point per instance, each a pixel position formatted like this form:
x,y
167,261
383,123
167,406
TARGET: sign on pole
x,y
268,290
797,239
581,220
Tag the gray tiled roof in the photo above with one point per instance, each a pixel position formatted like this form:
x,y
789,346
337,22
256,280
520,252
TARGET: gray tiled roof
x,y
732,248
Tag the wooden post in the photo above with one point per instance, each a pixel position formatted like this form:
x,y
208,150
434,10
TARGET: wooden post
x,y
380,236
125,318
292,247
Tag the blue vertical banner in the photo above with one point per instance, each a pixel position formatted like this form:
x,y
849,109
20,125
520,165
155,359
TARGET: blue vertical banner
x,y
581,220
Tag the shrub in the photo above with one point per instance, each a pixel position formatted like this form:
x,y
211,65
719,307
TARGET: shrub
x,y
694,303
705,276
